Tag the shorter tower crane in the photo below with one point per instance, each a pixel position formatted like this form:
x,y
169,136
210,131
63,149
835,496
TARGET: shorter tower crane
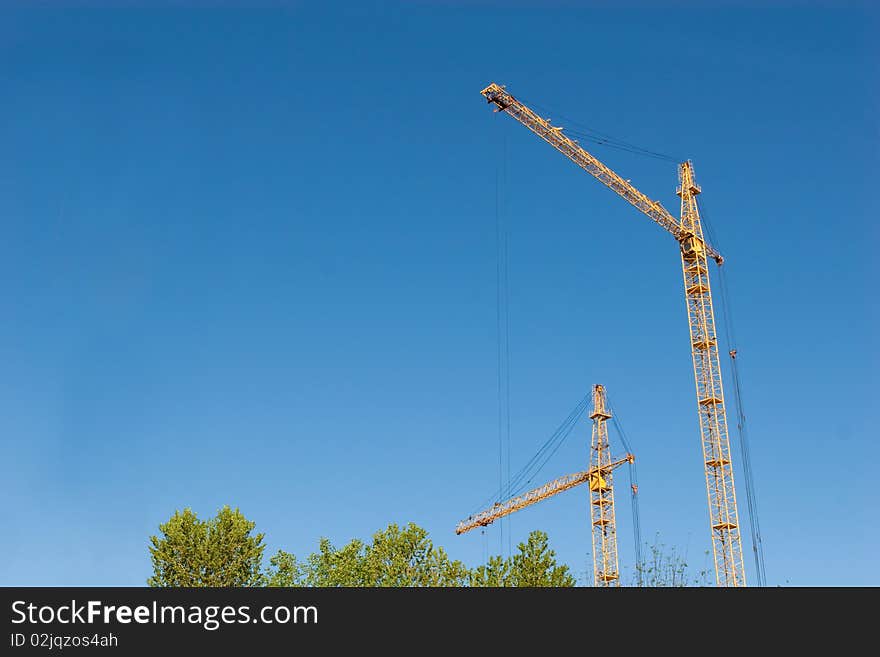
x,y
599,478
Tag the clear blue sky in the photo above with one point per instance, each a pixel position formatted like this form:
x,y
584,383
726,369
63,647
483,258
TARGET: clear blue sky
x,y
249,258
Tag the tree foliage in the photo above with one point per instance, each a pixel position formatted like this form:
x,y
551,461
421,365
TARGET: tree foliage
x,y
395,557
533,565
285,570
220,551
224,551
496,572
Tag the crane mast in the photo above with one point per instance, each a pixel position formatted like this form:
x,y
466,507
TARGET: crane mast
x,y
724,521
604,528
688,231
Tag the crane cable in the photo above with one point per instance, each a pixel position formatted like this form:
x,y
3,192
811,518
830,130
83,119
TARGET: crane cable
x,y
634,498
524,478
587,133
742,428
502,324
500,351
537,462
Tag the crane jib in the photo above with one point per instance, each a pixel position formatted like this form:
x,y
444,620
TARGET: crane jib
x,y
554,135
501,509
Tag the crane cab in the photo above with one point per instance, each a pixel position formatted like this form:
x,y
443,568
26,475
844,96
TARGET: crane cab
x,y
693,248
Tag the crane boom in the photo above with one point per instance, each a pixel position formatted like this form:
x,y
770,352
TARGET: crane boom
x,y
553,135
500,509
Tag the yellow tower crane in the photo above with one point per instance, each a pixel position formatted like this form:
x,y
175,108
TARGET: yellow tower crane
x,y
599,477
695,251
605,567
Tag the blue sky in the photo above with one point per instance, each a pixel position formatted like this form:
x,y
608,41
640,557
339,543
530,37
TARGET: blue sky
x,y
249,258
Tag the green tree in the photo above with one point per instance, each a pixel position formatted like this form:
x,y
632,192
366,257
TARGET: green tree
x,y
336,567
494,573
220,551
395,557
285,570
225,551
534,565
407,557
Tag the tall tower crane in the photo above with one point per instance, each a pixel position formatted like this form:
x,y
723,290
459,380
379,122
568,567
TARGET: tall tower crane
x,y
599,478
695,252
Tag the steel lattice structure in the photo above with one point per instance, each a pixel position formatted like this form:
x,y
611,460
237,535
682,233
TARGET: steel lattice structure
x,y
606,571
688,231
724,522
599,479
